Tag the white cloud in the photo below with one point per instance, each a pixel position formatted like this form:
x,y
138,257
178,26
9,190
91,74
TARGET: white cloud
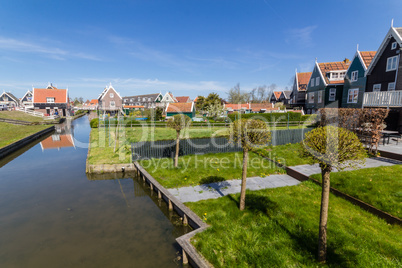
x,y
301,36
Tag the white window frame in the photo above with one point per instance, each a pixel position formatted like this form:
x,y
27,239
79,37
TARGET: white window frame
x,y
312,82
49,100
354,75
319,97
353,95
393,46
392,63
111,95
332,94
333,76
317,81
391,86
311,97
376,87
342,75
112,104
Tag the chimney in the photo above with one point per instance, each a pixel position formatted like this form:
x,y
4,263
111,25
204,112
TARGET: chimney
x,y
346,61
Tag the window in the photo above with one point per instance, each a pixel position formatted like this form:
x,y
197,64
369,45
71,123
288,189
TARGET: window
x,y
354,76
391,63
391,86
131,100
312,82
311,97
342,75
112,104
111,95
50,100
376,87
335,75
144,99
353,95
332,94
139,99
319,100
149,99
317,81
393,46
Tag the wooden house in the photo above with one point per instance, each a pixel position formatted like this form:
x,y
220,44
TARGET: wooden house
x,y
51,100
183,99
384,78
147,101
275,96
186,108
26,100
9,100
326,85
168,98
243,108
298,95
262,107
355,79
109,101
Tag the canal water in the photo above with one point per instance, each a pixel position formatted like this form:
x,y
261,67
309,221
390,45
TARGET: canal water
x,y
53,215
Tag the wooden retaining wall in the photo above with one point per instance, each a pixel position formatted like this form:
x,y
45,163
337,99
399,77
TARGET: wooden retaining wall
x,y
190,254
22,142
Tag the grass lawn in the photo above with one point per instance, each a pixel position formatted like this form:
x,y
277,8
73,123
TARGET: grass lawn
x,y
10,133
17,115
287,154
201,169
381,186
279,228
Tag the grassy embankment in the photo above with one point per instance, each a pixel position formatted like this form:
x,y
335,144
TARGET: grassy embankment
x,y
17,115
279,228
10,133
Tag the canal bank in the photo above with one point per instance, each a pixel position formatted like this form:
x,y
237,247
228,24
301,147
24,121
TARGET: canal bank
x,y
54,215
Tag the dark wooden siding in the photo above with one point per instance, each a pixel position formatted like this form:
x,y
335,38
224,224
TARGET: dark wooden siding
x,y
356,65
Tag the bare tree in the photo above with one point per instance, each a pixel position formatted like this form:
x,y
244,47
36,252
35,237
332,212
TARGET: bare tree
x,y
235,95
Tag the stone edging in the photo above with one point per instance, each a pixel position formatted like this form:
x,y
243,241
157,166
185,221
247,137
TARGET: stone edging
x,y
22,142
190,254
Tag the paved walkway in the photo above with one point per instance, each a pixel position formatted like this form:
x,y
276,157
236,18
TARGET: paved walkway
x,y
392,147
219,189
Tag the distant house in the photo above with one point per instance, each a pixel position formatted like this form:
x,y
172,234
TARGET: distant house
x,y
262,107
298,95
355,79
183,99
326,85
26,100
109,101
7,98
168,98
285,96
86,103
243,108
186,108
275,96
384,79
51,100
147,101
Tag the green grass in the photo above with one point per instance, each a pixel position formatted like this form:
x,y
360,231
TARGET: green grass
x,y
10,133
17,115
279,228
202,169
287,154
381,186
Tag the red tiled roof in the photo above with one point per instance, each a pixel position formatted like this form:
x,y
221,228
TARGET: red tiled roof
x,y
196,98
65,141
302,80
367,57
171,95
183,99
40,95
184,107
327,67
94,101
277,94
235,106
256,107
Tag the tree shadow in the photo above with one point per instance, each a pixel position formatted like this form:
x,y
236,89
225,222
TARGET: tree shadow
x,y
214,183
211,179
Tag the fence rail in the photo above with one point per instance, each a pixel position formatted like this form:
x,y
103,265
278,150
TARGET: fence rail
x,y
383,99
167,148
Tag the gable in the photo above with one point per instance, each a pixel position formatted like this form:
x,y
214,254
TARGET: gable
x,y
356,65
108,91
302,80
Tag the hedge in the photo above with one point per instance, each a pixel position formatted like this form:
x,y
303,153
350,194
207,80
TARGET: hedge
x,y
273,117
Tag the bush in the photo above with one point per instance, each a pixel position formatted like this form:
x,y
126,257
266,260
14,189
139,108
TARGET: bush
x,y
94,123
269,117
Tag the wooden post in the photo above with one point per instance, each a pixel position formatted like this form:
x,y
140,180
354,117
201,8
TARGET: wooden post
x,y
151,186
170,205
159,194
185,259
185,220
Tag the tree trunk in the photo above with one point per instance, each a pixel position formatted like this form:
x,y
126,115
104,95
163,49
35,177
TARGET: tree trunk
x,y
176,158
322,236
243,180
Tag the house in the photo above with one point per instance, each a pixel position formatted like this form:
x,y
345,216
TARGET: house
x,y
50,100
384,79
26,100
168,98
109,101
326,85
8,99
275,96
183,99
298,95
243,108
262,107
285,97
86,103
147,101
186,108
93,104
355,79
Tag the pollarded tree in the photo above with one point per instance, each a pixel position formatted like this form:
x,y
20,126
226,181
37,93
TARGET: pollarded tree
x,y
332,147
178,122
248,133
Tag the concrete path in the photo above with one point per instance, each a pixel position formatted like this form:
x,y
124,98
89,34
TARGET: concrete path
x,y
219,189
309,170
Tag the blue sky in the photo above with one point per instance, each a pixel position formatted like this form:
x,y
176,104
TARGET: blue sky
x,y
189,47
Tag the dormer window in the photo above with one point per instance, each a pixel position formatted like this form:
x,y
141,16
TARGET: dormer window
x,y
49,100
336,75
393,45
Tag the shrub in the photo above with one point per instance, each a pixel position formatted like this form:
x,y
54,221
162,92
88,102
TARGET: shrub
x,y
94,123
